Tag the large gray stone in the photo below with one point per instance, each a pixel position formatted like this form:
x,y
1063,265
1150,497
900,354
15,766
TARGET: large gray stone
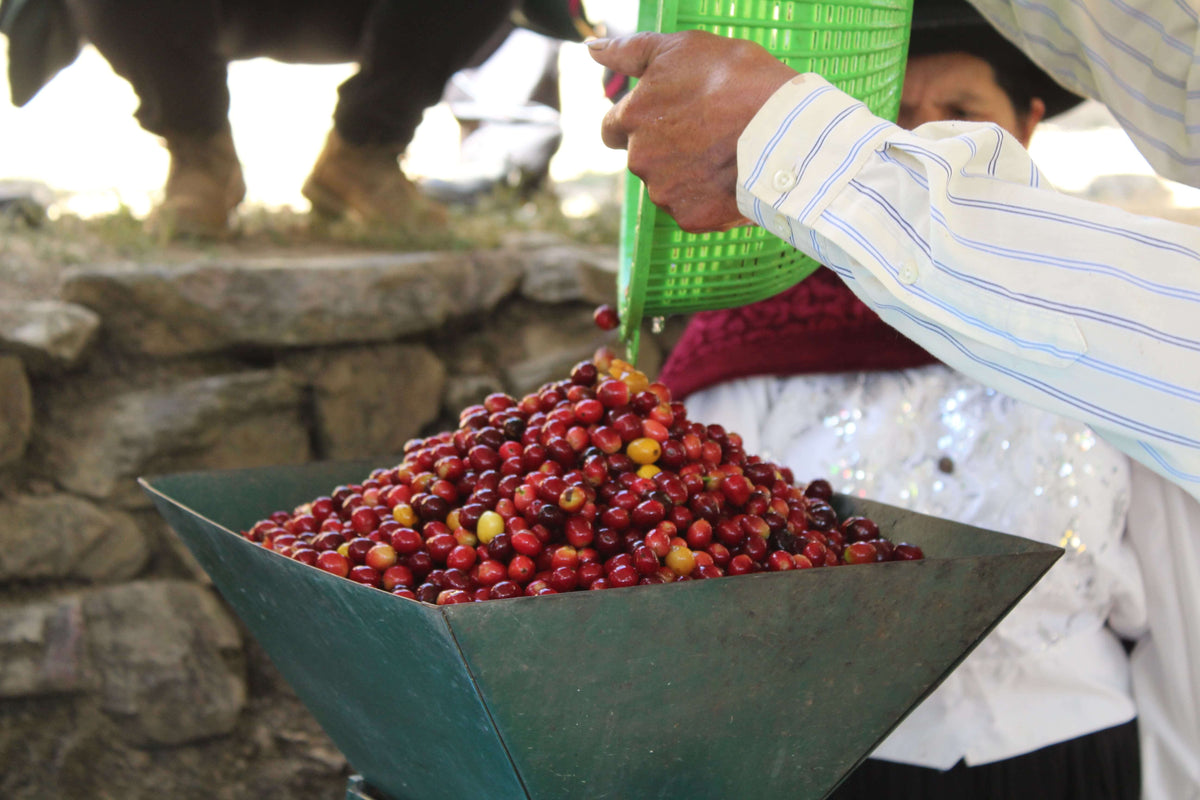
x,y
551,347
16,409
42,648
169,660
566,273
96,446
61,536
206,307
370,401
48,334
466,390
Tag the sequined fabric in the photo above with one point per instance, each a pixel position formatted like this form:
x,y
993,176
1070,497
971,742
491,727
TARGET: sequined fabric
x,y
935,442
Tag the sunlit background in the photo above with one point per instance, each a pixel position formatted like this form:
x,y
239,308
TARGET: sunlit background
x,y
79,138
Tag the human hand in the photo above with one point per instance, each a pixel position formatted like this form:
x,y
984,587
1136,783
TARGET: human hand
x,y
696,93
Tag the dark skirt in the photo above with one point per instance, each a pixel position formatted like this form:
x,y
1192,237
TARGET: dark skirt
x,y
1100,766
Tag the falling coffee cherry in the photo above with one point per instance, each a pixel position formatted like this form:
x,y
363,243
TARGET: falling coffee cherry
x,y
606,317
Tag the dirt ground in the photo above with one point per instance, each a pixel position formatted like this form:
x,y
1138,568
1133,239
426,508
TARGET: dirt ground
x,y
35,249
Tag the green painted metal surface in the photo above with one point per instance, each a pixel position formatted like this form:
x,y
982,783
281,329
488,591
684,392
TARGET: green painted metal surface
x,y
768,685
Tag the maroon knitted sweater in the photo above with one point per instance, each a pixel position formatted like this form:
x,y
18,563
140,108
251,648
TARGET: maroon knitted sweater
x,y
816,326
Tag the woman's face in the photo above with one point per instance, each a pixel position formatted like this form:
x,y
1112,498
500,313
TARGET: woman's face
x,y
961,86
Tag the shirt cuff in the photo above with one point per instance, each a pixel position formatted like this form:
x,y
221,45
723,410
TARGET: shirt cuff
x,y
801,148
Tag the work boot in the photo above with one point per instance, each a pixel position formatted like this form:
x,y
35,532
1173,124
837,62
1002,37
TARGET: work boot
x,y
204,186
364,183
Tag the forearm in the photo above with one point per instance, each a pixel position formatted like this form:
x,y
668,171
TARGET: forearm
x,y
1079,308
1142,66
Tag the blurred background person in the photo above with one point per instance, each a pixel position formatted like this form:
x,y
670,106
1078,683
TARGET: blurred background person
x,y
176,56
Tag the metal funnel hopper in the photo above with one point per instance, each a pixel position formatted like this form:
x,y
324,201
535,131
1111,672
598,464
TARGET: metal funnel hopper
x,y
766,685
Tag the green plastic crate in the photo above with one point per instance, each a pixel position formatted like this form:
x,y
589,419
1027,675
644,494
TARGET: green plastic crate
x,y
858,45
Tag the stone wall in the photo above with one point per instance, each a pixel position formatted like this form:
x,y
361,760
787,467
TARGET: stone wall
x,y
123,673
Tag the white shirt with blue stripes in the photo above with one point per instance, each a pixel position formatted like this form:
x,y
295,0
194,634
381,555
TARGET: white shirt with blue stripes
x,y
949,233
1144,68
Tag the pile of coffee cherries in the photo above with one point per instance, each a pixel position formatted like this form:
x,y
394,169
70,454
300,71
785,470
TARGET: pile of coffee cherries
x,y
599,481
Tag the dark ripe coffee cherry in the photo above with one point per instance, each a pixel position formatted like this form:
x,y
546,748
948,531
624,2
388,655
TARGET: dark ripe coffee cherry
x,y
884,549
455,578
755,547
329,540
620,463
628,426
551,517
673,455
476,420
550,396
859,529
561,451
419,563
761,474
607,542
490,437
500,548
514,427
644,402
907,552
705,506
821,515
584,374
784,540
647,514
427,593
432,508
775,522
505,590
729,533
357,549
819,489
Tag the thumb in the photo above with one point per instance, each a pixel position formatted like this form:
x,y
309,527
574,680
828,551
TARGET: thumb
x,y
627,55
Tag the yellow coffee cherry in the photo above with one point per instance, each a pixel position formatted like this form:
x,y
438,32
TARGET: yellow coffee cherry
x,y
648,471
634,378
644,450
404,514
344,549
619,367
490,524
637,382
681,560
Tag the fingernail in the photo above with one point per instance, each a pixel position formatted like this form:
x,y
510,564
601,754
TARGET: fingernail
x,y
598,44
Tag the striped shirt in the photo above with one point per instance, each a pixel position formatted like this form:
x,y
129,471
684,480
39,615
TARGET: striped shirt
x,y
950,235
1144,68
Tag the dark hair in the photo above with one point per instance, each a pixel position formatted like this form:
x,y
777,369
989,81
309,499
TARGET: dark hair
x,y
1016,76
951,26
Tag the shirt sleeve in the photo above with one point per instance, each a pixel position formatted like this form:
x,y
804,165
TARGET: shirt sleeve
x,y
1143,67
949,235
